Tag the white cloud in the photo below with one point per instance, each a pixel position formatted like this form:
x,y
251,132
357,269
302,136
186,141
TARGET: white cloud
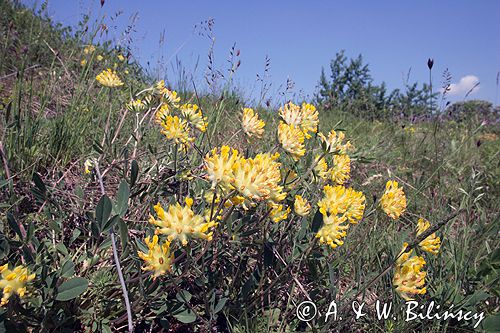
x,y
465,84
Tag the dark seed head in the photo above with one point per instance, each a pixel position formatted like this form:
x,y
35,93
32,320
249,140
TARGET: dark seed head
x,y
430,63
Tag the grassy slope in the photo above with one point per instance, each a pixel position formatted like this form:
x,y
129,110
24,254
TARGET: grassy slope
x,y
52,115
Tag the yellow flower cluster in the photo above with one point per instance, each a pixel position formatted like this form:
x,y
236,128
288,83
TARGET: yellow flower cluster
x,y
291,139
255,179
393,200
304,117
408,278
432,243
136,105
108,78
175,129
334,143
339,173
13,282
277,213
252,125
339,205
89,49
301,206
158,259
193,115
181,223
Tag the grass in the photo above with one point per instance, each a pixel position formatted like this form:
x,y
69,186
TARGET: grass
x,y
254,273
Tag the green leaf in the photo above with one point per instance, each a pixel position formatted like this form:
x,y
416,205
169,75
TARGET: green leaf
x,y
39,183
110,223
72,289
13,225
220,305
186,316
122,198
68,269
103,210
317,222
491,323
183,296
123,228
134,172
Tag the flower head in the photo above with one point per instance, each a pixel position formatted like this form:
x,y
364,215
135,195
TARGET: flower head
x,y
162,113
291,139
408,278
121,57
176,130
333,231
108,78
158,259
13,282
393,200
432,243
301,206
136,105
340,172
345,203
89,165
99,58
181,223
309,122
88,49
334,143
321,167
193,115
252,125
291,114
219,166
258,178
277,213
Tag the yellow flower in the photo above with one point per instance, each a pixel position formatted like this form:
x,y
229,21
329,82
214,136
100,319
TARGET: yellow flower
x,y
13,282
162,113
432,243
252,125
291,139
408,278
291,114
121,57
181,222
301,206
89,49
346,203
219,167
258,178
176,130
310,119
89,165
340,172
334,143
393,201
193,115
321,167
170,96
158,259
83,62
100,57
277,213
108,78
136,105
333,231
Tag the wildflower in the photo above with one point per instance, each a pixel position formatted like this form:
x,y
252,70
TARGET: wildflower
x,y
121,57
408,278
393,200
340,172
219,167
13,282
89,49
258,178
291,139
309,122
89,165
158,259
108,78
333,231
252,125
170,96
115,65
162,113
334,143
175,129
181,222
193,115
277,213
321,167
291,114
83,62
100,57
301,206
136,105
432,243
346,203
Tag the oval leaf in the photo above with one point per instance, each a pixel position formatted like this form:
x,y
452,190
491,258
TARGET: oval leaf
x,y
72,288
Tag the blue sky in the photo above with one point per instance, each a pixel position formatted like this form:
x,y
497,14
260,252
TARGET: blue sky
x,y
302,36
